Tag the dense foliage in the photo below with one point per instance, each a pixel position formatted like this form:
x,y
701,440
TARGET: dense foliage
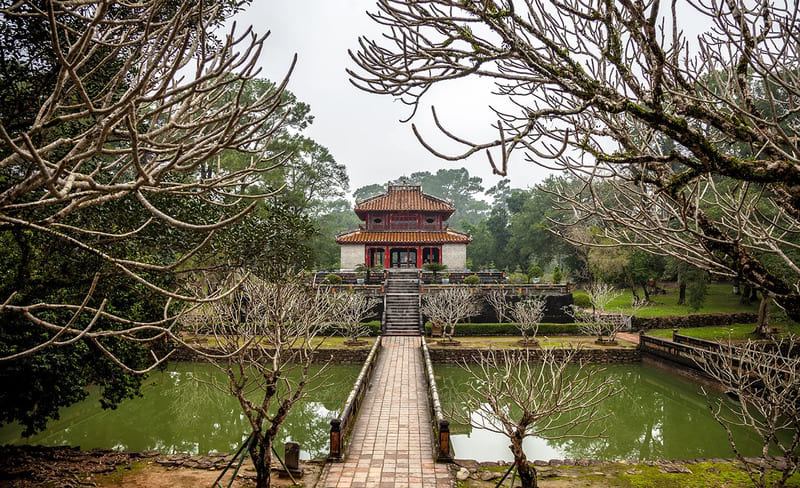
x,y
118,252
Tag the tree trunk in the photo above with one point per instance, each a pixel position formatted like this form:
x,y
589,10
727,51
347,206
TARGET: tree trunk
x,y
261,455
646,293
526,472
682,293
762,327
745,298
632,284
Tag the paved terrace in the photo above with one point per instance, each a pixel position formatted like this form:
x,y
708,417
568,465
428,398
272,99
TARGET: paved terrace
x,y
391,443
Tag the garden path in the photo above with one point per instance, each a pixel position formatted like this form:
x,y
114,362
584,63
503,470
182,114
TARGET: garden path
x,y
629,336
392,441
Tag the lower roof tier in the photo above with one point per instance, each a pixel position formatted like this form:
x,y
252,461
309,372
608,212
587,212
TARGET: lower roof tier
x,y
359,236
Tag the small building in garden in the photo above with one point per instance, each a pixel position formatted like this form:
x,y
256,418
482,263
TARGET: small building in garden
x,y
404,228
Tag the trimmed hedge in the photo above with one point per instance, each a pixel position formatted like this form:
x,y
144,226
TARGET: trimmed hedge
x,y
581,299
507,329
374,328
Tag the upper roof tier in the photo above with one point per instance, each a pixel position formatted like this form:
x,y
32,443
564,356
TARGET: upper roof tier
x,y
447,236
404,198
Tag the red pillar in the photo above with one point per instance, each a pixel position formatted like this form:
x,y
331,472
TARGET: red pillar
x,y
387,263
419,257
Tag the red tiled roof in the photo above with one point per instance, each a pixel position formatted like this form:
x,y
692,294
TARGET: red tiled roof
x,y
404,198
448,236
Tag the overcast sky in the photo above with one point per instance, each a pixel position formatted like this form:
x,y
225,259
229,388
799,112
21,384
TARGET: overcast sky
x,y
362,130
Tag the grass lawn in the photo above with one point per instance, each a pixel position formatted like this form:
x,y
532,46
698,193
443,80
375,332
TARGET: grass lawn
x,y
334,342
736,332
636,475
510,342
719,300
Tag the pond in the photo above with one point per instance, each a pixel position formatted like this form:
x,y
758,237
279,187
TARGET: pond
x,y
177,413
658,415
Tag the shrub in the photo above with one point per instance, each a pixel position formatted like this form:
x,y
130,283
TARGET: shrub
x,y
581,299
489,329
371,329
472,280
517,278
557,275
332,279
535,271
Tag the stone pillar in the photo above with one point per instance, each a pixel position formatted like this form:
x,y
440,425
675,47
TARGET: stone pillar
x,y
292,454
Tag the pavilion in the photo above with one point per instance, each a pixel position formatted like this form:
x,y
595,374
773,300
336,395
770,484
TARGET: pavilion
x,y
403,228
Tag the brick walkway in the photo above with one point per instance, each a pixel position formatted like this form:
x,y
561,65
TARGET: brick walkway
x,y
391,443
629,336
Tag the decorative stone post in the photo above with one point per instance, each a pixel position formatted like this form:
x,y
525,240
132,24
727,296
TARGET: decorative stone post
x,y
336,440
292,454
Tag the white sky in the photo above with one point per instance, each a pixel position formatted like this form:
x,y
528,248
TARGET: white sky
x,y
362,130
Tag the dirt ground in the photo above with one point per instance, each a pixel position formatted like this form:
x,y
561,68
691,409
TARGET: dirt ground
x,y
35,466
50,467
154,476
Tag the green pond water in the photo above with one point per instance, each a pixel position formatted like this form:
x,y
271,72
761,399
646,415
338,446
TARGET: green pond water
x,y
658,415
177,413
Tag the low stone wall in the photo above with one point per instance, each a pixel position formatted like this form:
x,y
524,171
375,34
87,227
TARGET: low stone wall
x,y
445,355
696,320
354,355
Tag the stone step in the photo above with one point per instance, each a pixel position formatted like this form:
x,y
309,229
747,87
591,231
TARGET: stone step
x,y
402,303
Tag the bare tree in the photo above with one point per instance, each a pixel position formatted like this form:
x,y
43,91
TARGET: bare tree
x,y
764,377
448,307
522,394
144,102
351,310
527,315
261,334
600,321
680,144
498,299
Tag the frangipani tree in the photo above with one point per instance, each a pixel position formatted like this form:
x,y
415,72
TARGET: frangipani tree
x,y
447,307
527,315
519,394
498,299
136,104
601,322
260,334
676,122
764,377
351,310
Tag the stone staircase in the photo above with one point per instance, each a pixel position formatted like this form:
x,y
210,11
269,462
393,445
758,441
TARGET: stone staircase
x,y
401,315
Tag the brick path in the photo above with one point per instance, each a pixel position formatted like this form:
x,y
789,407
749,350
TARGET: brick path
x,y
629,336
391,442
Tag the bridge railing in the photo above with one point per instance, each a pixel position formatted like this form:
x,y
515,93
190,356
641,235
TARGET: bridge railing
x,y
698,353
342,425
443,449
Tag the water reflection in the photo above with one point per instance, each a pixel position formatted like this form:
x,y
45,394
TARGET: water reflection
x,y
179,414
657,416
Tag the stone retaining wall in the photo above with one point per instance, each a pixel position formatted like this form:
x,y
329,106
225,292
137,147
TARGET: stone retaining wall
x,y
355,355
441,355
696,320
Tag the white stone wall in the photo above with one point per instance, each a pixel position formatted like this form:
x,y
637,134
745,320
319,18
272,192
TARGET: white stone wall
x,y
454,256
352,255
